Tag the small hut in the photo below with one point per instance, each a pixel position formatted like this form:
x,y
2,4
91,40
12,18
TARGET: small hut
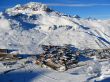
x,y
6,54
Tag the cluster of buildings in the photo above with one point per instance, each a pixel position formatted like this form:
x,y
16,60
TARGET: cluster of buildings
x,y
57,57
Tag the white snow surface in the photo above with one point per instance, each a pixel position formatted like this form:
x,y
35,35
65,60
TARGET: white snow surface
x,y
20,71
25,27
4,25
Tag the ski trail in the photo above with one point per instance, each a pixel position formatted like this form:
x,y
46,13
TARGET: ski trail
x,y
43,40
98,44
103,43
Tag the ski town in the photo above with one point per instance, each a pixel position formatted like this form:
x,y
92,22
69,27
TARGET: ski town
x,y
60,58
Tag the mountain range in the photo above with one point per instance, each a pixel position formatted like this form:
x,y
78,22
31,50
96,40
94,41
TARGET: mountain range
x,y
25,27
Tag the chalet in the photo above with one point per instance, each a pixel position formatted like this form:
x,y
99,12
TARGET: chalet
x,y
6,54
3,51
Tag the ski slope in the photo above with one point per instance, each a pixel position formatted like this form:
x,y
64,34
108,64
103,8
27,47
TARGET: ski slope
x,y
33,73
25,27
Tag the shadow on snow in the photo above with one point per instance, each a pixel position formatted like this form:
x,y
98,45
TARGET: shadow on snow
x,y
24,76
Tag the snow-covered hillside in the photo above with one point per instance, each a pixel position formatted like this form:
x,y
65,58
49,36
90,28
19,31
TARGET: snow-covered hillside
x,y
25,27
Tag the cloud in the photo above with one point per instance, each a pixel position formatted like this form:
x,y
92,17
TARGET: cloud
x,y
77,5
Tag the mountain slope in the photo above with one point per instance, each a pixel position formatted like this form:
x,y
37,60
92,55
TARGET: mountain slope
x,y
25,27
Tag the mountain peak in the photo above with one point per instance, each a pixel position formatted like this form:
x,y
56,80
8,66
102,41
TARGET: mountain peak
x,y
76,16
35,6
29,8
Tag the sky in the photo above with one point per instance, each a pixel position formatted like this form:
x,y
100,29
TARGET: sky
x,y
99,9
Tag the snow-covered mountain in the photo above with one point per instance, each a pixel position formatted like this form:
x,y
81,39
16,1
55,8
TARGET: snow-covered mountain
x,y
25,27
